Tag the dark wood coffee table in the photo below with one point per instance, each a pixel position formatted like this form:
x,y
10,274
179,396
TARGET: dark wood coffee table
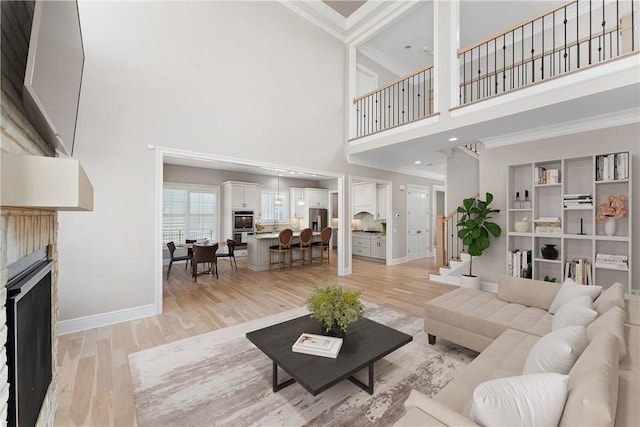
x,y
366,342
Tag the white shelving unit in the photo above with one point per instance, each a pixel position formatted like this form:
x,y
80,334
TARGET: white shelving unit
x,y
579,235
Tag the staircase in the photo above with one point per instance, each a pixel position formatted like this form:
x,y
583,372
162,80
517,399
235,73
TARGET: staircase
x,y
451,274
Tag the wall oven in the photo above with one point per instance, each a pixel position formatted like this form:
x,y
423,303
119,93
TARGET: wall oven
x,y
242,221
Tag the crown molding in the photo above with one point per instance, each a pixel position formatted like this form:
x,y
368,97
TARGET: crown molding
x,y
380,58
403,170
586,124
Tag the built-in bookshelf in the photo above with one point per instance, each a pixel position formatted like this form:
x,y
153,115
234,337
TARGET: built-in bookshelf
x,y
554,204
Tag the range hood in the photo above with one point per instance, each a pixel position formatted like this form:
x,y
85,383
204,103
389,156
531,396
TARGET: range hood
x,y
44,183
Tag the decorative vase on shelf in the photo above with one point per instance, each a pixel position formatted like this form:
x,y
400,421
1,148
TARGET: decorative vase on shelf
x,y
610,227
549,252
522,226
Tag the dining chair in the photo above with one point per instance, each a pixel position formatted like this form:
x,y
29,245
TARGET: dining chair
x,y
283,248
229,253
304,246
172,249
190,250
203,255
324,243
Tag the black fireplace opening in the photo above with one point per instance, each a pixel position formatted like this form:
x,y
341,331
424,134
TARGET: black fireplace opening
x,y
29,342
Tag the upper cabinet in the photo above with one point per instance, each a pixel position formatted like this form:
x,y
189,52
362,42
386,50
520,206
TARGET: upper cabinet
x,y
242,195
382,202
364,197
297,202
317,198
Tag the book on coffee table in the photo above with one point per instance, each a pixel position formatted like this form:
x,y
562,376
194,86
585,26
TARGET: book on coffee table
x,y
317,345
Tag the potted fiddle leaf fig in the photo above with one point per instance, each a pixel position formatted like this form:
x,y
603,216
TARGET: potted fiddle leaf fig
x,y
335,308
474,229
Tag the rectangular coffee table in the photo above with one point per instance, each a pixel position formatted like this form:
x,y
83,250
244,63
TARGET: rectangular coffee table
x,y
366,341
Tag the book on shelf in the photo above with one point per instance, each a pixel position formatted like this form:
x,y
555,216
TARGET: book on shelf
x,y
577,201
519,263
547,225
579,270
620,262
612,167
547,176
317,345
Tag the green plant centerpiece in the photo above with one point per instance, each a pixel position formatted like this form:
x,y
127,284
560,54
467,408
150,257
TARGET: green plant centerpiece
x,y
475,226
335,308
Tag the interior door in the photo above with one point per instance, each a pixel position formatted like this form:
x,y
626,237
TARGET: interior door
x,y
417,223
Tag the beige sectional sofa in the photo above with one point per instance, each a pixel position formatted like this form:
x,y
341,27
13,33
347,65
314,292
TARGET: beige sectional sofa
x,y
603,384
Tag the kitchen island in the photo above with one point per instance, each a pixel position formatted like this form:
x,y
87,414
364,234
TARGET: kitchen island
x,y
258,247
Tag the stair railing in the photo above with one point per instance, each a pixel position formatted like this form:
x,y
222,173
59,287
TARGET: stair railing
x,y
576,35
403,101
448,245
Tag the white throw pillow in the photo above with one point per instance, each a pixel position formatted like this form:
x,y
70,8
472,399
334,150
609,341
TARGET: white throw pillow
x,y
526,400
577,312
570,290
557,351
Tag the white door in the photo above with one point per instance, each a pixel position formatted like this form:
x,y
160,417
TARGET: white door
x,y
417,222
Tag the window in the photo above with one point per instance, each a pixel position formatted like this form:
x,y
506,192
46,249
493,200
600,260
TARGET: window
x,y
271,212
189,212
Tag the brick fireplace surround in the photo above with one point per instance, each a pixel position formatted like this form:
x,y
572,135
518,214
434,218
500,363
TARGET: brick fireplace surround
x,y
23,231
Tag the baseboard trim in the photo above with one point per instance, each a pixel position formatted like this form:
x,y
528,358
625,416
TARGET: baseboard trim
x,y
396,261
105,319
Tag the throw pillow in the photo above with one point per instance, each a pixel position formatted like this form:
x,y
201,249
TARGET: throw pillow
x,y
570,290
578,311
557,351
526,400
611,297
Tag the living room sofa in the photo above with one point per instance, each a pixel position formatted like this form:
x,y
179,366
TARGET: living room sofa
x,y
602,385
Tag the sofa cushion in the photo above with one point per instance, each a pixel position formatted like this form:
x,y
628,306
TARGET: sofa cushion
x,y
613,296
611,322
503,358
577,312
482,313
557,351
593,385
433,413
527,292
570,290
525,400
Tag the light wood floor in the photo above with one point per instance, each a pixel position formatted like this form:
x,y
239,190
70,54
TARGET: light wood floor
x,y
94,384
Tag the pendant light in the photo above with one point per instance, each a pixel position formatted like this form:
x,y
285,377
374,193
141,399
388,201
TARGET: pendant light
x,y
278,199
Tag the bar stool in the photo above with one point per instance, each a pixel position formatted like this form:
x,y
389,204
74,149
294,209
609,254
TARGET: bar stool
x,y
306,235
324,243
285,237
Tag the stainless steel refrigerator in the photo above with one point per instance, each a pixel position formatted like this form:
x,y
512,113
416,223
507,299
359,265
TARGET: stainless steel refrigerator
x,y
317,219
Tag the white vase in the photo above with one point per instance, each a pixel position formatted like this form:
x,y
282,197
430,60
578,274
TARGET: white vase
x,y
610,227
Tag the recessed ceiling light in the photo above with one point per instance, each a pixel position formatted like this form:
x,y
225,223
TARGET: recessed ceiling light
x,y
417,162
292,173
407,46
453,138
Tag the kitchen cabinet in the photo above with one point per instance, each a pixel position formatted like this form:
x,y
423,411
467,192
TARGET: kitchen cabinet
x,y
361,245
364,197
241,195
382,202
297,203
378,246
317,198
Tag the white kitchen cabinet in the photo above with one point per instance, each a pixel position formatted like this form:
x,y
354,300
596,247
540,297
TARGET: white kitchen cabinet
x,y
317,198
361,244
378,246
382,202
241,195
297,203
364,197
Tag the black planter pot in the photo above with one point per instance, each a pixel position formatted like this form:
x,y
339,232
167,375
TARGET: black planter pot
x,y
334,331
549,252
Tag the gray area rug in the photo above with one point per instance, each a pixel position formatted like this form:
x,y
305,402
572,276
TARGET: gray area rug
x,y
220,378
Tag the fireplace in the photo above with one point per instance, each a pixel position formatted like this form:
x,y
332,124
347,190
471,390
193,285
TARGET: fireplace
x,y
29,340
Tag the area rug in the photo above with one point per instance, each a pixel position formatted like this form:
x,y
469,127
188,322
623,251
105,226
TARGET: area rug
x,y
221,379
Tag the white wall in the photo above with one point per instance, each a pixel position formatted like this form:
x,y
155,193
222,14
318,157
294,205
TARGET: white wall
x,y
462,178
494,173
249,80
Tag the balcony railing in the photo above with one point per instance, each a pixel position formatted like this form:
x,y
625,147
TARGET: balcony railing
x,y
570,37
404,101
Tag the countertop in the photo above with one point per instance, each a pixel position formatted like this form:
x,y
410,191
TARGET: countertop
x,y
378,233
274,235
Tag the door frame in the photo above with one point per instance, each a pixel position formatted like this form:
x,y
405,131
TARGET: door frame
x,y
434,210
427,189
